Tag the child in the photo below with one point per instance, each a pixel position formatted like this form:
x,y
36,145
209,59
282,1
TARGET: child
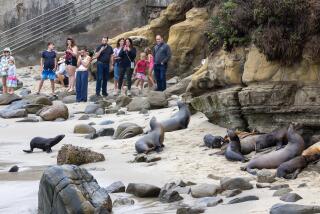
x,y
12,77
150,67
140,70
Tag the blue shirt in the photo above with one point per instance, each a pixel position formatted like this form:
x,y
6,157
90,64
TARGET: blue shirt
x,y
106,54
49,59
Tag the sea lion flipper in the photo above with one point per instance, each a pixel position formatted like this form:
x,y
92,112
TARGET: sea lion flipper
x,y
27,151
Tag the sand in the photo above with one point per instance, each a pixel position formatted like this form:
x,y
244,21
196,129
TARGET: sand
x,y
183,158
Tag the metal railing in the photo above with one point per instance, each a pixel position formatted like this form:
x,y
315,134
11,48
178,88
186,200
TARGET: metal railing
x,y
54,21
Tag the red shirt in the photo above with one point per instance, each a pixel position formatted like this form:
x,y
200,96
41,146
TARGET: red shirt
x,y
142,66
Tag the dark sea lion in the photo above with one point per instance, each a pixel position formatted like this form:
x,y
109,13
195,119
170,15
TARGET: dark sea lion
x,y
291,168
276,138
44,143
178,121
248,144
153,141
15,168
274,159
214,142
233,152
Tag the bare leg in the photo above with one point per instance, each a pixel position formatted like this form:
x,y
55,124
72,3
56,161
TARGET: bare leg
x,y
52,86
4,85
71,72
40,85
141,84
150,79
60,79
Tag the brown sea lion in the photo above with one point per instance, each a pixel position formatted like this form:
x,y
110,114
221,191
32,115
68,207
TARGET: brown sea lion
x,y
180,120
312,150
274,159
153,141
291,168
233,152
276,138
248,144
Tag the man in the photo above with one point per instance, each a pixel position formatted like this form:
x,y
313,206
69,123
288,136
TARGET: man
x,y
48,65
162,55
104,55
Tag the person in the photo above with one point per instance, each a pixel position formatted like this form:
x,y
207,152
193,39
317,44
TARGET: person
x,y
150,67
84,61
62,75
104,55
140,70
127,64
162,55
116,67
4,66
12,80
48,65
71,61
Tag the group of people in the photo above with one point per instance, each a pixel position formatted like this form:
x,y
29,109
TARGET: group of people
x,y
8,72
73,68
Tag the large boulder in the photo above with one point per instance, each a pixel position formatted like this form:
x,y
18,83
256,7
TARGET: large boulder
x,y
70,189
6,99
178,88
143,190
69,154
127,130
169,193
69,99
15,110
204,190
157,99
83,129
294,209
57,110
138,103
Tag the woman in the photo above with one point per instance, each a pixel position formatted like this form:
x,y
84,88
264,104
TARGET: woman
x,y
4,67
116,68
83,63
127,64
71,62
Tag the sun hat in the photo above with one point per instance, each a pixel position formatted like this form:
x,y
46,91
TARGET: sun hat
x,y
7,50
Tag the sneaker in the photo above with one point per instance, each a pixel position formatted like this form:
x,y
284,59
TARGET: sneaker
x,y
129,93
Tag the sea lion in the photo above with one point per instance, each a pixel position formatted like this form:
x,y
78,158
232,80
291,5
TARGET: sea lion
x,y
248,144
15,168
44,143
312,150
153,141
274,159
214,142
291,168
179,120
276,138
233,152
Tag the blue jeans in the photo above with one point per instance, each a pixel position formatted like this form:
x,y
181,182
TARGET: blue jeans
x,y
102,78
160,72
82,86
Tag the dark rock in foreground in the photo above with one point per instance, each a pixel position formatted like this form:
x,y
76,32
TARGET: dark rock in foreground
x,y
190,210
168,194
116,187
294,209
143,190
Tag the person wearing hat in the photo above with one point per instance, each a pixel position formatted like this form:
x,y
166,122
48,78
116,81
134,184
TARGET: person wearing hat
x,y
4,67
62,75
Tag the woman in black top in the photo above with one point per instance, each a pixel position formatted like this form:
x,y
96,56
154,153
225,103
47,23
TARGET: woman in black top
x,y
127,55
71,61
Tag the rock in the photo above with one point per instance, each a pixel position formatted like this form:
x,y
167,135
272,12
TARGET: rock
x,y
140,158
294,209
104,132
139,41
265,176
302,185
123,101
15,168
168,194
59,184
178,88
116,187
281,192
6,99
103,103
106,122
290,197
280,186
28,120
143,190
235,183
174,80
119,202
127,130
25,92
42,100
95,98
214,177
100,111
91,136
94,109
262,185
143,111
190,210
209,201
84,117
138,103
57,110
204,190
17,113
152,158
63,94
83,129
69,154
183,190
243,199
112,111
69,99
231,193
157,99
121,112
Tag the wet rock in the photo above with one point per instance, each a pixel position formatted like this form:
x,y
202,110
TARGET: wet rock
x,y
83,129
231,193
42,100
15,168
138,103
106,122
157,99
123,101
57,110
69,99
290,197
243,199
94,109
59,184
235,183
204,190
127,130
84,117
280,186
6,99
265,176
143,190
116,187
69,154
294,209
28,120
281,192
168,194
119,202
209,201
190,210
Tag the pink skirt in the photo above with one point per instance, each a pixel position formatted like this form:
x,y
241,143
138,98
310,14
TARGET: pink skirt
x,y
141,76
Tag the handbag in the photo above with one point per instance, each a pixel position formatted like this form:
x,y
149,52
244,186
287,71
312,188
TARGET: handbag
x,y
132,62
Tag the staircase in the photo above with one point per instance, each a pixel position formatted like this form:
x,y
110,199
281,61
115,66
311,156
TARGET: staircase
x,y
53,22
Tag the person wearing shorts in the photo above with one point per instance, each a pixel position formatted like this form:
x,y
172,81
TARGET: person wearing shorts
x,y
140,70
48,65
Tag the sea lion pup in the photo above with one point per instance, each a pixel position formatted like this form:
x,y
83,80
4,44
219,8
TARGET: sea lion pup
x,y
44,143
153,140
179,120
291,168
276,138
214,142
233,152
274,159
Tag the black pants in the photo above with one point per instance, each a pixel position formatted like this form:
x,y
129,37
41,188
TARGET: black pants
x,y
125,71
